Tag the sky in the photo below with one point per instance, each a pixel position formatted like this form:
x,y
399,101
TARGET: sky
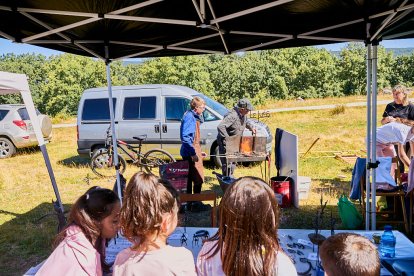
x,y
17,48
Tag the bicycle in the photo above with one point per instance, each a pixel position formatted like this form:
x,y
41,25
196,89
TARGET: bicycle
x,y
102,161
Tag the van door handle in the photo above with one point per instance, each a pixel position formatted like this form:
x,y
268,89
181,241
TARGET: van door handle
x,y
157,128
164,128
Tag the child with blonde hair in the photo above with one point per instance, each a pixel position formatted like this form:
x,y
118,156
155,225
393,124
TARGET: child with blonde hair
x,y
246,242
349,254
148,217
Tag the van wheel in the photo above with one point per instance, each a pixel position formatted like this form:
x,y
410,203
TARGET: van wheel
x,y
7,149
216,159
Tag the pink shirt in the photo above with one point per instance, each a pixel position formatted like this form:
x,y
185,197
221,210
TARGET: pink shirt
x,y
165,261
75,255
213,265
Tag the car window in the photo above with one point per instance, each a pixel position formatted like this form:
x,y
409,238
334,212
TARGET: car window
x,y
96,109
217,107
175,108
208,116
24,114
3,113
139,108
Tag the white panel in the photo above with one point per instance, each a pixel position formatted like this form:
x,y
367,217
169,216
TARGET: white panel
x,y
289,166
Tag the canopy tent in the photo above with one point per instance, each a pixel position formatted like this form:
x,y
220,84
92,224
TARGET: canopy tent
x,y
11,83
112,30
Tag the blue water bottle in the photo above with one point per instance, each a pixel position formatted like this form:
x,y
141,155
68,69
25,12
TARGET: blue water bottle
x,y
388,240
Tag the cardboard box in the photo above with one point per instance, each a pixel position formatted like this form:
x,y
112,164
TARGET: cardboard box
x,y
304,184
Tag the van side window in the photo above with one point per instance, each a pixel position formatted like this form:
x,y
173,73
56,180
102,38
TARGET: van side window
x,y
138,108
175,108
96,109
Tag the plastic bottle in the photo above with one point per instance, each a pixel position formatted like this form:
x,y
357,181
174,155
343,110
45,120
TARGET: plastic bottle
x,y
388,240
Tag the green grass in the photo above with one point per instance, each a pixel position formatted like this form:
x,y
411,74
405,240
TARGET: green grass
x,y
26,192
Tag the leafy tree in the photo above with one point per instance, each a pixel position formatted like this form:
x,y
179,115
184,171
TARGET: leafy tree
x,y
67,77
352,68
402,71
30,64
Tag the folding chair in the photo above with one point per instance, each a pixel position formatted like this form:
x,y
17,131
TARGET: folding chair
x,y
204,196
397,193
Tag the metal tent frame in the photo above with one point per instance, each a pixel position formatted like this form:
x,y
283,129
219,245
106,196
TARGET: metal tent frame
x,y
114,30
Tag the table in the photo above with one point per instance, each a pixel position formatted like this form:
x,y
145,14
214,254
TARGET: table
x,y
404,247
234,158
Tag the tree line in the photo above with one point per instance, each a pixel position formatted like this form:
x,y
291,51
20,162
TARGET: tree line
x,y
57,82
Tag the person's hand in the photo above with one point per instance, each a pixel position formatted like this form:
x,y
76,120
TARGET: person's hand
x,y
203,155
254,131
194,158
391,119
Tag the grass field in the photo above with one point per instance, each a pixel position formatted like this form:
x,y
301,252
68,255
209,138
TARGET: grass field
x,y
26,192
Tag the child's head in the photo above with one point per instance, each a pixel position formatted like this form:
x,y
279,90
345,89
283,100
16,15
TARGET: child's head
x,y
150,207
249,219
97,213
198,104
349,254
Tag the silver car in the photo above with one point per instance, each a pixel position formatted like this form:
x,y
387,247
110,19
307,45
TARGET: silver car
x,y
16,130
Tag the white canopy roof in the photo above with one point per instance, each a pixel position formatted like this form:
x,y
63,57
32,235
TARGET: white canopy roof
x,y
11,83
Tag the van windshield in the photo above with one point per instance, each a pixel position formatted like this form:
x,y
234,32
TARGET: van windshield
x,y
218,107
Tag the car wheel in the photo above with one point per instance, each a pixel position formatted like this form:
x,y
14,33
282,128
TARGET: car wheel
x,y
216,159
45,125
7,149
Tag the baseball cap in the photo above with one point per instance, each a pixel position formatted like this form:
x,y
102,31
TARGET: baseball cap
x,y
245,103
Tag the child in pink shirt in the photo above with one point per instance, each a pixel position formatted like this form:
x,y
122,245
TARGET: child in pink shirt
x,y
246,242
148,217
80,249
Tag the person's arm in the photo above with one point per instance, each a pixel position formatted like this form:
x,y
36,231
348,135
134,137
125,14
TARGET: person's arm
x,y
386,117
187,133
403,156
224,124
387,120
250,127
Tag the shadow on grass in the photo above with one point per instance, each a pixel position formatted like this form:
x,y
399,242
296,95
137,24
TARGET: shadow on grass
x,y
28,151
75,162
25,240
332,187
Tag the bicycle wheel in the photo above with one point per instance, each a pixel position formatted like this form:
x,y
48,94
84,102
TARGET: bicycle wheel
x,y
102,164
155,158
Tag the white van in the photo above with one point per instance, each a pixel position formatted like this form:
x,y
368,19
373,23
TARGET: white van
x,y
155,110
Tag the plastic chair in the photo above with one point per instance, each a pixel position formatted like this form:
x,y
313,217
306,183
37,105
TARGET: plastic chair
x,y
204,196
397,193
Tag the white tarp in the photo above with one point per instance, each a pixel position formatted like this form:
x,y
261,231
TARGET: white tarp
x,y
11,83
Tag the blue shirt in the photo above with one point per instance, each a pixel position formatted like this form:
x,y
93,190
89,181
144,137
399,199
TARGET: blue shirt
x,y
187,133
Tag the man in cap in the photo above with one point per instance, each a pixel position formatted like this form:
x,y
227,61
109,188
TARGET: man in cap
x,y
233,124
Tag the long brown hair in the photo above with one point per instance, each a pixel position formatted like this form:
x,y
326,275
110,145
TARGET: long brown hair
x,y
146,199
247,235
87,213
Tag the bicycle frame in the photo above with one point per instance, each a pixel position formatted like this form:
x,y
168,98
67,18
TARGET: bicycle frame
x,y
135,149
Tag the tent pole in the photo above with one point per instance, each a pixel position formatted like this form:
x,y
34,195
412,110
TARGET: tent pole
x,y
114,139
58,206
374,135
368,159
